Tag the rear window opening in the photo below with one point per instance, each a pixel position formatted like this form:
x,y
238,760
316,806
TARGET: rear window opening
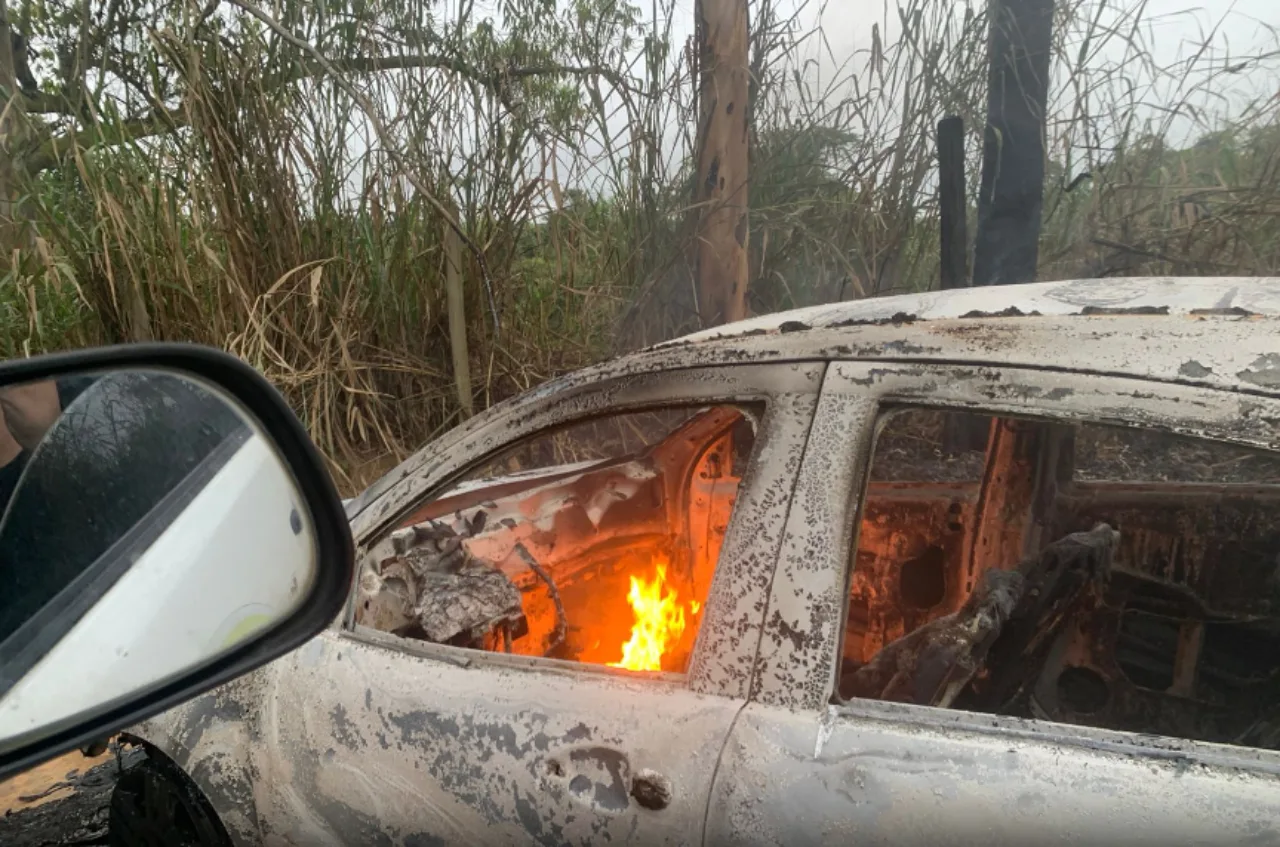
x,y
1114,577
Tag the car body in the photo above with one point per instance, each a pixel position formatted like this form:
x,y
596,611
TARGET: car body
x,y
363,736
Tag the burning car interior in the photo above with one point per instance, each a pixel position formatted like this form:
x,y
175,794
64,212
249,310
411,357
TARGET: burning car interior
x,y
1115,577
1120,578
594,543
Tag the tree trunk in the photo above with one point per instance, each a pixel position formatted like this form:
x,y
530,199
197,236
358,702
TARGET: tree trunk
x,y
721,188
951,202
1006,248
14,228
454,294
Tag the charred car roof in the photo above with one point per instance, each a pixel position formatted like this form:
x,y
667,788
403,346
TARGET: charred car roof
x,y
1228,296
1219,332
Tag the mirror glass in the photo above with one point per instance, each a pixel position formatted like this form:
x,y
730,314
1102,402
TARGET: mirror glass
x,y
147,528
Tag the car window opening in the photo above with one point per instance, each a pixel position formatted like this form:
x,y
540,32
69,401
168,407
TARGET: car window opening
x,y
594,543
1118,578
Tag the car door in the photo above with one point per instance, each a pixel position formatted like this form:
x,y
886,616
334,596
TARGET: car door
x,y
1138,714
386,737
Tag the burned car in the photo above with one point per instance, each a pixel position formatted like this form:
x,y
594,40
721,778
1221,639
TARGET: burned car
x,y
951,568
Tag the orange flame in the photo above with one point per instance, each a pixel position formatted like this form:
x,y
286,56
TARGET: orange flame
x,y
659,622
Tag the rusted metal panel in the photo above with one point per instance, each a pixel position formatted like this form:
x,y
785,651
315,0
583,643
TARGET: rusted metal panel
x,y
908,533
1003,517
881,774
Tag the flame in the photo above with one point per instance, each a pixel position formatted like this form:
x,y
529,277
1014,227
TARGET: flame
x,y
660,621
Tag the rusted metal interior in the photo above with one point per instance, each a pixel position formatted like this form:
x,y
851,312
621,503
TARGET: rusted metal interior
x,y
1168,626
1134,599
541,562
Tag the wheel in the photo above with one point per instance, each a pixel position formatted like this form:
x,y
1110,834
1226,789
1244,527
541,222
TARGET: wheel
x,y
155,804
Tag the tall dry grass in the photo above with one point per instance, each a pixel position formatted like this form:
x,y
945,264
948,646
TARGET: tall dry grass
x,y
273,218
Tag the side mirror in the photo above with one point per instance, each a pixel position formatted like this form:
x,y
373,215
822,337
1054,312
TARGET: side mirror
x,y
165,526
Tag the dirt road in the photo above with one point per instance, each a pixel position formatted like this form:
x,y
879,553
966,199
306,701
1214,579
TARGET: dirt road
x,y
62,802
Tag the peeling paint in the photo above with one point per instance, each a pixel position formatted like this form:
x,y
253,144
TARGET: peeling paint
x,y
1228,312
1125,310
1264,371
1008,312
1208,297
360,738
1194,370
914,775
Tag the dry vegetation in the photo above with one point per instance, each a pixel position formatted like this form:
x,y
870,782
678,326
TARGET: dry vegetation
x,y
274,180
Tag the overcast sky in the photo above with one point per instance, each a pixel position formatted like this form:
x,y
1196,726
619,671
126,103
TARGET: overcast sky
x,y
1173,31
1176,22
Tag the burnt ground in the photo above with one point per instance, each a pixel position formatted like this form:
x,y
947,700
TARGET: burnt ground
x,y
60,804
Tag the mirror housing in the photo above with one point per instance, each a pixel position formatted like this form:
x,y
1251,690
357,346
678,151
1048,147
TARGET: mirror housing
x,y
257,478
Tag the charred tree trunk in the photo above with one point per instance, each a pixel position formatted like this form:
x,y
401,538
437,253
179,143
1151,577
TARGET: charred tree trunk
x,y
951,202
1010,197
1006,248
721,186
961,432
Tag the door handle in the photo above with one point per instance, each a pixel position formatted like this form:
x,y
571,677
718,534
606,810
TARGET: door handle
x,y
603,778
651,789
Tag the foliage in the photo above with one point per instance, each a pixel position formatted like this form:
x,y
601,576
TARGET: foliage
x,y
197,171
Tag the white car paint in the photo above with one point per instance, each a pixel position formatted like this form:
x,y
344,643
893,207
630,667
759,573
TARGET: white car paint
x,y
200,588
1177,295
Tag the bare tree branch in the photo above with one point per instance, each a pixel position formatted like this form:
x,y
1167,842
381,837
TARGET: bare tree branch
x,y
52,151
493,78
388,144
41,103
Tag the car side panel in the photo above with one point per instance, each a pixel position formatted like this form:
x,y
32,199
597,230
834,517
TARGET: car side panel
x,y
366,744
214,739
874,774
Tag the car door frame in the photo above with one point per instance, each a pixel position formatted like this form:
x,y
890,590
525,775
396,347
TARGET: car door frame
x,y
705,700
884,773
731,626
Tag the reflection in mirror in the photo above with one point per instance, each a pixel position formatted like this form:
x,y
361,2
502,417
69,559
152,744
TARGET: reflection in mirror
x,y
147,528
